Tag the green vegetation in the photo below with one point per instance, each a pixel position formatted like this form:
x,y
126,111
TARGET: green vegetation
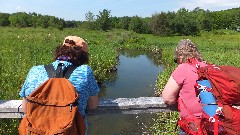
x,y
21,48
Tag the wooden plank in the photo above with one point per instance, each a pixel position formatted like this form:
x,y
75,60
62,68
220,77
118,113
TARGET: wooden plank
x,y
13,108
10,106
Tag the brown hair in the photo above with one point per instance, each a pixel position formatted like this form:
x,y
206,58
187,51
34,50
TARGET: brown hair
x,y
186,49
76,55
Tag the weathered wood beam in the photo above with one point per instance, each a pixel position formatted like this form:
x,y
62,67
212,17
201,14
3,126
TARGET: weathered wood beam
x,y
13,108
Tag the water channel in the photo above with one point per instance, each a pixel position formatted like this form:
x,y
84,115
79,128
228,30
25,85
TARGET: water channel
x,y
135,77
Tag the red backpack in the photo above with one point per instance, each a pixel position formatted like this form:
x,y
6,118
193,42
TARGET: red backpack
x,y
225,88
225,82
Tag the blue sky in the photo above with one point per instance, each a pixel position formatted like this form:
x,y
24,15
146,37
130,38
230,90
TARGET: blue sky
x,y
76,9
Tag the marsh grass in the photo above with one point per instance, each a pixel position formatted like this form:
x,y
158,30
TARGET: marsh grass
x,y
20,49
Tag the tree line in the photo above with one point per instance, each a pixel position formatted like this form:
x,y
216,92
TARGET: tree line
x,y
181,22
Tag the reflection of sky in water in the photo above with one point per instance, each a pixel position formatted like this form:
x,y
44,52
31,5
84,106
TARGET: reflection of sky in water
x,y
136,78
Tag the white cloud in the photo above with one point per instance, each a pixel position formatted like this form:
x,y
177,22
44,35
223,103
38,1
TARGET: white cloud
x,y
20,9
213,5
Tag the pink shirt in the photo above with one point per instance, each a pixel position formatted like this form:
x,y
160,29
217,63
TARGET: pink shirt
x,y
185,75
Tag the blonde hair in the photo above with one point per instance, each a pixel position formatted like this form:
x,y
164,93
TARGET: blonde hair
x,y
186,49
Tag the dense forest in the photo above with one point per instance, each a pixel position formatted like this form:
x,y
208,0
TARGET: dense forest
x,y
181,22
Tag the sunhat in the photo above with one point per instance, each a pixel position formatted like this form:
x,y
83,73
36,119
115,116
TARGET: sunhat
x,y
75,40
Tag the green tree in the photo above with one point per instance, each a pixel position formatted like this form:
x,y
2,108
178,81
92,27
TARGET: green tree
x,y
236,22
124,22
115,22
217,20
19,19
147,25
226,18
33,17
136,24
4,19
233,18
90,21
207,22
54,22
185,23
199,14
103,20
70,24
89,16
42,21
160,24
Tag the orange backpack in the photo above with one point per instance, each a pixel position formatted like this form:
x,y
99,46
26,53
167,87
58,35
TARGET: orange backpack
x,y
52,107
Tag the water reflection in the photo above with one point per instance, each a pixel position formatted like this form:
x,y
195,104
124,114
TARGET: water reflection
x,y
135,77
121,124
155,57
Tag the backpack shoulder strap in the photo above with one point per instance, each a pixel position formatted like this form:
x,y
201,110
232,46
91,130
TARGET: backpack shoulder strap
x,y
52,73
68,71
50,70
194,62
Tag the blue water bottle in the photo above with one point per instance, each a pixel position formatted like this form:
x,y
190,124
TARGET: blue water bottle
x,y
208,101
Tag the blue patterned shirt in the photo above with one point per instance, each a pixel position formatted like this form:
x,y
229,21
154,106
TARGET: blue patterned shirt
x,y
82,79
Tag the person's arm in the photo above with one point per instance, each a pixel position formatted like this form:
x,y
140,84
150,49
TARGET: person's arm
x,y
93,90
24,105
170,92
29,85
93,102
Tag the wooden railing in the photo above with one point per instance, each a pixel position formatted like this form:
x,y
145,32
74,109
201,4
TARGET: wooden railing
x,y
13,108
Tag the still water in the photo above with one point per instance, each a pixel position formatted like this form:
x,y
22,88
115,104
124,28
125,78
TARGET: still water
x,y
135,77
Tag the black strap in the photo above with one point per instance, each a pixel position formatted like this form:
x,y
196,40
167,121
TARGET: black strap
x,y
59,73
50,70
68,71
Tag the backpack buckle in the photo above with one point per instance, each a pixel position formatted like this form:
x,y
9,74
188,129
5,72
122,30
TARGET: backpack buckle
x,y
71,105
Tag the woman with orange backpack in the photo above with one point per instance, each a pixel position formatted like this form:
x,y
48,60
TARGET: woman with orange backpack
x,y
70,56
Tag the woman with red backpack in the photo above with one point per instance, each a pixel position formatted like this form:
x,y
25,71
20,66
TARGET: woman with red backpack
x,y
180,87
207,94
